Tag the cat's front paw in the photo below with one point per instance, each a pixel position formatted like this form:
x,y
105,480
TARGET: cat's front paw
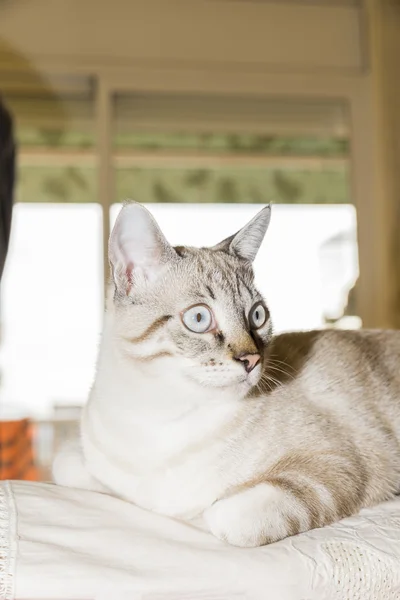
x,y
257,516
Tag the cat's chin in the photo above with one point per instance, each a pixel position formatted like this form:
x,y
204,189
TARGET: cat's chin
x,y
225,380
238,386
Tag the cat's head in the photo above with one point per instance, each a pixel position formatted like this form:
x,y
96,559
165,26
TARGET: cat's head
x,y
189,311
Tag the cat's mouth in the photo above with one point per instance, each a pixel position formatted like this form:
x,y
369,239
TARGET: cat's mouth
x,y
223,378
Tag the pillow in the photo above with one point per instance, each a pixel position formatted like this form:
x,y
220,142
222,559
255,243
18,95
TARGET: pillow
x,y
62,543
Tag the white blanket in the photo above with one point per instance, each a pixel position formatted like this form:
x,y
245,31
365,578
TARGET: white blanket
x,y
62,543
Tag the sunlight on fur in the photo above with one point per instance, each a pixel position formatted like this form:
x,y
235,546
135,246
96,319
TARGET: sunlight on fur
x,y
198,409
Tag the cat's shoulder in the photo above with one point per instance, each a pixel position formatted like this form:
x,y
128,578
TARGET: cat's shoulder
x,y
310,337
303,345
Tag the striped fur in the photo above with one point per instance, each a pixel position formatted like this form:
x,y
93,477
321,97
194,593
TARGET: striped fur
x,y
177,425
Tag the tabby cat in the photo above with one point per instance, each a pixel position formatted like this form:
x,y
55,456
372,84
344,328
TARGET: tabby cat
x,y
198,409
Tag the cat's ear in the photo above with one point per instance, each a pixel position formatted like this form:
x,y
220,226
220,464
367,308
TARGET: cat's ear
x,y
247,241
137,249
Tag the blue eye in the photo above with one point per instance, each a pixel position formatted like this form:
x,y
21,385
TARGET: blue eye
x,y
258,316
197,318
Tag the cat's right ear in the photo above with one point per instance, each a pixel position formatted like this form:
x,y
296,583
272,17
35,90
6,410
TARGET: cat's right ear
x,y
137,250
247,241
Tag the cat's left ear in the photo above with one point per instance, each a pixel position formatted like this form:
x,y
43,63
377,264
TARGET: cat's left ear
x,y
247,241
137,250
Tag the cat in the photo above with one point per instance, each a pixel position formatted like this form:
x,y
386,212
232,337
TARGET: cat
x,y
198,409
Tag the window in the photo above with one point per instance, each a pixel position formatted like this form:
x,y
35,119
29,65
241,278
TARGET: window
x,y
204,165
209,161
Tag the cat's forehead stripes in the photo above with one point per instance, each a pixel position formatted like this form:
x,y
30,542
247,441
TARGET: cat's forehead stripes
x,y
211,293
215,271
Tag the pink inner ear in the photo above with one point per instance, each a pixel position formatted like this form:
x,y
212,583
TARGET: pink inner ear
x,y
128,271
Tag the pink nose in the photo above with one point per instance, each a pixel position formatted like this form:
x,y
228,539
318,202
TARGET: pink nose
x,y
249,361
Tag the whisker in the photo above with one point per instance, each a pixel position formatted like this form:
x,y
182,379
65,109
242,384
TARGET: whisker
x,y
270,380
281,362
265,381
274,380
279,370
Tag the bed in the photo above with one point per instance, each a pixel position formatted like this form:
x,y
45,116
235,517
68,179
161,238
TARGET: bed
x,y
61,543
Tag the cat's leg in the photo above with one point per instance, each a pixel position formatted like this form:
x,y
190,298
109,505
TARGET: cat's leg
x,y
69,469
261,515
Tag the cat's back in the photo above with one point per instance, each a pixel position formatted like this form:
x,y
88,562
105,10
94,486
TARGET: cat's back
x,y
334,381
356,359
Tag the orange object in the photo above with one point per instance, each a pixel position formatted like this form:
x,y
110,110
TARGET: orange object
x,y
16,451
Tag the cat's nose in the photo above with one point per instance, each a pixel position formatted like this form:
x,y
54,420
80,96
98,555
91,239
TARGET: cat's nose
x,y
249,361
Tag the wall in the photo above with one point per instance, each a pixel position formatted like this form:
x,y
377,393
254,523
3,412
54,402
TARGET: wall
x,y
385,66
215,33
